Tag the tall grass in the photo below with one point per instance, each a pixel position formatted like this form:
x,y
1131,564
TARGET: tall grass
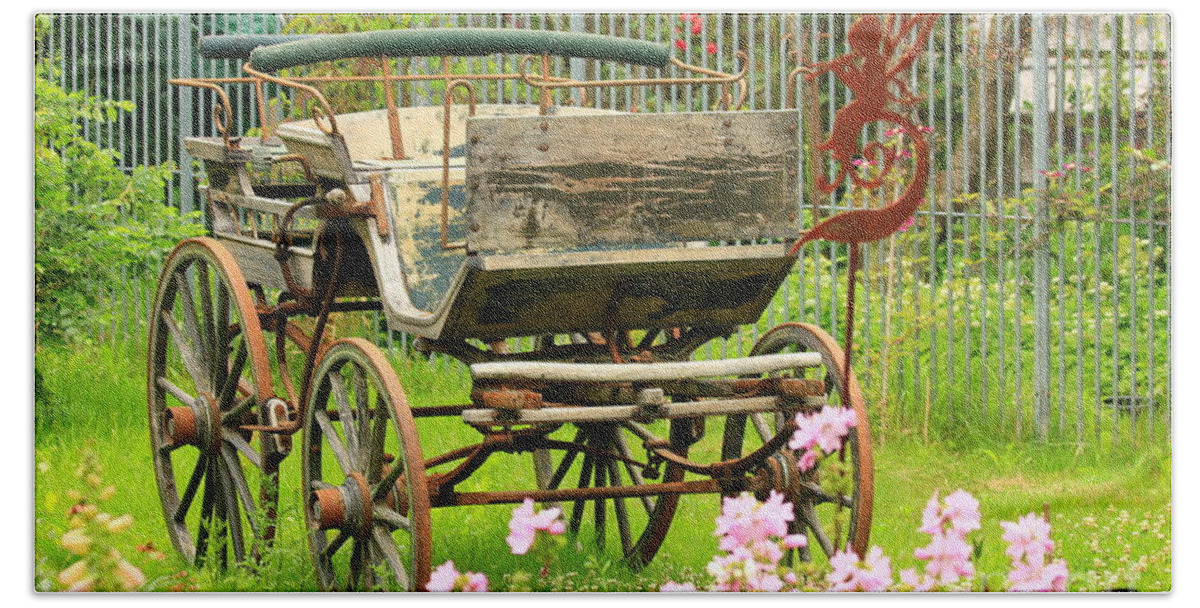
x,y
100,393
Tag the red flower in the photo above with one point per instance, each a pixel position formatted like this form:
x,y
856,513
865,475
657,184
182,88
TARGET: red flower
x,y
697,25
681,45
711,47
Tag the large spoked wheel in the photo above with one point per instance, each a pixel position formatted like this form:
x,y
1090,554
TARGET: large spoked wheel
x,y
832,501
606,460
209,376
367,506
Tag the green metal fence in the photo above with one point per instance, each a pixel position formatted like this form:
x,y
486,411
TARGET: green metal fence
x,y
1030,299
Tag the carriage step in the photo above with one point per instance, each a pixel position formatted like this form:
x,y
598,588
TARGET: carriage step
x,y
640,372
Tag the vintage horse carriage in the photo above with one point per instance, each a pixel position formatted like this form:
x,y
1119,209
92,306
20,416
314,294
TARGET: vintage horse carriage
x,y
621,242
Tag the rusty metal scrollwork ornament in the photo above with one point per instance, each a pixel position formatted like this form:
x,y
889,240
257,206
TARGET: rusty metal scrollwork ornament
x,y
872,71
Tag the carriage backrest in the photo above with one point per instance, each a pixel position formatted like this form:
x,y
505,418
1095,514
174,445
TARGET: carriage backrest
x,y
547,183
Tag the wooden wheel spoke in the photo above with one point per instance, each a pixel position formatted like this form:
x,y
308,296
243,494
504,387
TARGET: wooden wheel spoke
x,y
345,415
335,442
820,495
190,320
361,424
235,439
236,411
620,510
386,545
192,363
760,424
635,475
386,484
325,557
585,480
809,515
176,392
237,479
232,377
189,492
599,514
358,562
377,424
229,511
207,506
208,322
392,519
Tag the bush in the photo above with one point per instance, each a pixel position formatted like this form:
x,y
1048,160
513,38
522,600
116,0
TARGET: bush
x,y
92,221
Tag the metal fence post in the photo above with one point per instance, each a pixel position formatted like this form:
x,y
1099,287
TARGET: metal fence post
x,y
577,23
187,182
1041,242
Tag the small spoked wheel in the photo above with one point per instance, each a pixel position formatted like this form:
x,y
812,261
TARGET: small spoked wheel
x,y
637,525
833,500
208,377
367,502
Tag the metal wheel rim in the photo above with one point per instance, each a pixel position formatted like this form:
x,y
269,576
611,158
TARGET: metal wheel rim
x,y
202,271
349,556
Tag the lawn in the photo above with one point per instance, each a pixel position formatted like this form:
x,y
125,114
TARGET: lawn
x,y
1110,507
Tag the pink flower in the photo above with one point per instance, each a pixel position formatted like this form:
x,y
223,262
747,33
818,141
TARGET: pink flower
x,y
525,524
1028,537
475,582
925,129
824,429
871,574
949,558
1085,169
673,587
1038,577
1051,174
711,47
447,578
443,578
920,583
904,154
862,162
744,522
962,511
681,45
894,132
908,223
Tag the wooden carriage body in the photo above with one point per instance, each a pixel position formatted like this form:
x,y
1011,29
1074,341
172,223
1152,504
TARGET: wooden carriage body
x,y
556,223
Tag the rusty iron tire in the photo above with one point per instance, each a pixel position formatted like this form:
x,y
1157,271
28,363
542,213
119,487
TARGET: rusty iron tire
x,y
360,519
208,373
810,509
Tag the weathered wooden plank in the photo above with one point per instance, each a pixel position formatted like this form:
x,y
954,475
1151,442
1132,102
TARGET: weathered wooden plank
x,y
555,182
618,372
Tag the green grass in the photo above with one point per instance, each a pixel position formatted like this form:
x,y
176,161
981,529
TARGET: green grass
x,y
1108,506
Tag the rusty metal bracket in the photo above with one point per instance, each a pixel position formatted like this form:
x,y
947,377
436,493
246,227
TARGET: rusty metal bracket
x,y
343,205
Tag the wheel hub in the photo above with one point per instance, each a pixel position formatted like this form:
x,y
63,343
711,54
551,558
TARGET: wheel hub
x,y
198,424
345,507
